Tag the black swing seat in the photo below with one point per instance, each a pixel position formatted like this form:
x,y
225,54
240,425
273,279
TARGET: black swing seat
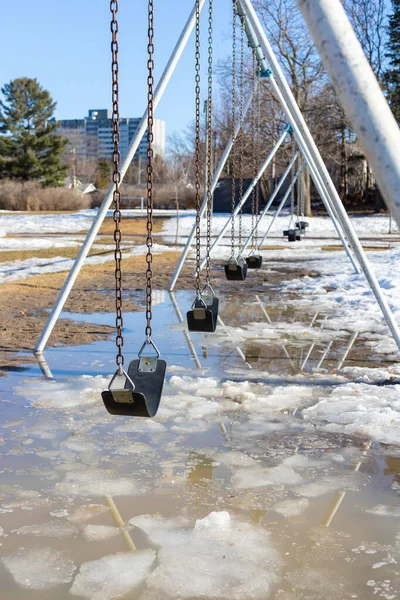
x,y
293,235
236,270
144,400
254,261
204,315
302,225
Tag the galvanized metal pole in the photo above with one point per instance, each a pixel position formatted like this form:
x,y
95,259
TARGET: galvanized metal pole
x,y
216,177
317,178
105,205
248,192
359,93
322,170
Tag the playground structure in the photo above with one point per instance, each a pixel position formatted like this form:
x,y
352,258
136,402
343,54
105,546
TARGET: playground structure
x,y
306,148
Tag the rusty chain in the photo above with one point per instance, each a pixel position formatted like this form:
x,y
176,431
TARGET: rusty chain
x,y
253,147
209,138
150,122
292,189
233,151
197,149
241,131
116,157
258,146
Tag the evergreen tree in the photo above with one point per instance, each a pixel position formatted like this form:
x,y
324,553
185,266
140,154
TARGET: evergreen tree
x,y
104,171
29,148
392,75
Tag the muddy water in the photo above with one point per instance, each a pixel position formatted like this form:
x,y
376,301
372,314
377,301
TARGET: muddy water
x,y
323,504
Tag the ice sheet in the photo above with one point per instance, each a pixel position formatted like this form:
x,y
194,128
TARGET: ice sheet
x,y
39,568
113,576
96,482
238,558
360,409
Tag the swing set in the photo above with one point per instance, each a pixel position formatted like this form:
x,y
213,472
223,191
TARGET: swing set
x,y
137,391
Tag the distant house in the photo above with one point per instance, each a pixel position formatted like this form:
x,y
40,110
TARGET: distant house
x,y
223,196
82,188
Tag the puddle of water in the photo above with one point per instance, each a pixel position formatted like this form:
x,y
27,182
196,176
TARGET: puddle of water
x,y
314,513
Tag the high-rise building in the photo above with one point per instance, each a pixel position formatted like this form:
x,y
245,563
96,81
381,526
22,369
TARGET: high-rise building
x,y
92,136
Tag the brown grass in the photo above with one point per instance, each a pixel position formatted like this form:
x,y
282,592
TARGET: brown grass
x,y
340,248
30,196
50,253
131,226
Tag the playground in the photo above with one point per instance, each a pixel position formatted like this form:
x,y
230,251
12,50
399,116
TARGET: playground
x,y
205,405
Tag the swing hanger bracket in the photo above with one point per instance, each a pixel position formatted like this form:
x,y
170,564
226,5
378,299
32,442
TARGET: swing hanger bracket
x,y
148,363
266,73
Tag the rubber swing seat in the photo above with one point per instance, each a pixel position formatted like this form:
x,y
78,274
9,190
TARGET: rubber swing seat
x,y
293,235
204,315
236,270
302,225
254,261
144,400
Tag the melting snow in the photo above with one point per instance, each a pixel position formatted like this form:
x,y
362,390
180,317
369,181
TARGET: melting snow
x,y
237,558
360,409
96,482
113,576
39,568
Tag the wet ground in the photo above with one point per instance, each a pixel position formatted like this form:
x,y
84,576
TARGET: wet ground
x,y
263,424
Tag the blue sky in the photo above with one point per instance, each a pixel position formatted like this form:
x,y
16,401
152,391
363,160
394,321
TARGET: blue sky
x,y
66,46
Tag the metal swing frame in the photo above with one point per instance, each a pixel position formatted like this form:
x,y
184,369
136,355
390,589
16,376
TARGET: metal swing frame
x,y
375,110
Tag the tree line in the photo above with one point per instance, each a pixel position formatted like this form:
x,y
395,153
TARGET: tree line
x,y
31,150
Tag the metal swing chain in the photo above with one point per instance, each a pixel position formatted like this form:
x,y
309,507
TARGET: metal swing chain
x,y
241,134
116,157
258,148
298,207
253,148
150,122
209,134
292,192
233,152
197,148
302,189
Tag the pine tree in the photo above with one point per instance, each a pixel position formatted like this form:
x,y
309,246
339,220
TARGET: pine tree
x,y
29,148
103,177
392,75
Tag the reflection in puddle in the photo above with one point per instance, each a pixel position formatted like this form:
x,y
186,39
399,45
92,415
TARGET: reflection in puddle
x,y
269,471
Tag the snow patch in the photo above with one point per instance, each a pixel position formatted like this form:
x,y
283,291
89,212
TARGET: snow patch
x,y
113,576
39,568
360,409
96,482
237,558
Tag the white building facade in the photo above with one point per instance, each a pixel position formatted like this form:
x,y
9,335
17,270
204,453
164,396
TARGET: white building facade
x,y
92,136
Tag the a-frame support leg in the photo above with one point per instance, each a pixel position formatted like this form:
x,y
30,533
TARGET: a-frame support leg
x,y
298,123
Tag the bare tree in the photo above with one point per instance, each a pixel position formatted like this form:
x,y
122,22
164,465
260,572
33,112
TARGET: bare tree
x,y
369,18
